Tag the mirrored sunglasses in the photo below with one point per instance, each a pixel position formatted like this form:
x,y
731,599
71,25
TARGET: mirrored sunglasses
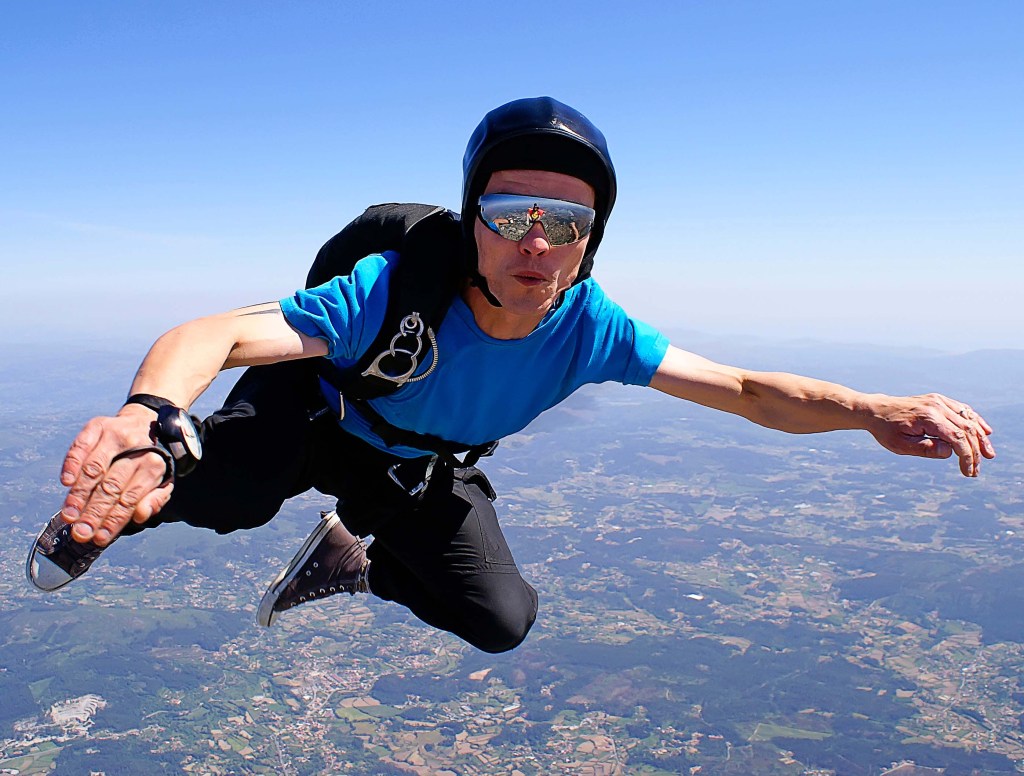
x,y
513,215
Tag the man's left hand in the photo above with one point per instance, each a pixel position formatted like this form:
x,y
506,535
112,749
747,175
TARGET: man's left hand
x,y
932,426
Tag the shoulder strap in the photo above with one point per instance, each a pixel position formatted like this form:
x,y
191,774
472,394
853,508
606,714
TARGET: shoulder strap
x,y
380,228
424,280
423,283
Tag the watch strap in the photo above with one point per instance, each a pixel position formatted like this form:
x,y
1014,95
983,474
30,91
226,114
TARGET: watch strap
x,y
159,449
153,402
167,433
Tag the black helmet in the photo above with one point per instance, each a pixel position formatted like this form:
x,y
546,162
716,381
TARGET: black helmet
x,y
537,133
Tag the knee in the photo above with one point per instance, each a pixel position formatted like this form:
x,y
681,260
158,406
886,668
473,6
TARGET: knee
x,y
505,627
495,637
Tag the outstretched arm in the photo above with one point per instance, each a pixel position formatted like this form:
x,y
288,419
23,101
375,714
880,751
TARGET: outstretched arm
x,y
931,426
103,496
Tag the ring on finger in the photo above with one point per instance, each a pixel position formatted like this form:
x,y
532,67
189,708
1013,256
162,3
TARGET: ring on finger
x,y
965,413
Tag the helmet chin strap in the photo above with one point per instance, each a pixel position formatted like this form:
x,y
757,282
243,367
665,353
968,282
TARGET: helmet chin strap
x,y
480,282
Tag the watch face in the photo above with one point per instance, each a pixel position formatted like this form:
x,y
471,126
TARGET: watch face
x,y
178,433
190,436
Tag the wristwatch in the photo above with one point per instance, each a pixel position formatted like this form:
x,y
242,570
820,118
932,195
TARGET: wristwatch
x,y
175,430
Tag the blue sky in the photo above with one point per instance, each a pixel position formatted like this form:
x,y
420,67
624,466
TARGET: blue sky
x,y
837,170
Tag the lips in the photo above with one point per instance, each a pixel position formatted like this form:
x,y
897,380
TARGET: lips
x,y
530,277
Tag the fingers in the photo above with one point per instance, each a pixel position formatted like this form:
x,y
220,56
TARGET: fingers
x,y
985,445
965,431
120,491
927,447
935,426
967,411
86,463
100,488
90,471
966,449
80,449
152,503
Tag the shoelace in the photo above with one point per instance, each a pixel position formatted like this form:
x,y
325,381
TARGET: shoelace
x,y
359,585
66,548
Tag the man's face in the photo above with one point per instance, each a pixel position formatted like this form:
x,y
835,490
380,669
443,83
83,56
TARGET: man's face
x,y
529,275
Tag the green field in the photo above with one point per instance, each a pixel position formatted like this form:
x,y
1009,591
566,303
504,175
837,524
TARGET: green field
x,y
766,731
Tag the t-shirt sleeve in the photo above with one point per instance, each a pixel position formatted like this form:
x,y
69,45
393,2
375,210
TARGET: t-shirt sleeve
x,y
649,348
346,312
624,349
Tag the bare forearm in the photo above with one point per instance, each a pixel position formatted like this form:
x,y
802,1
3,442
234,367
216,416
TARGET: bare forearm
x,y
787,402
803,405
184,361
932,425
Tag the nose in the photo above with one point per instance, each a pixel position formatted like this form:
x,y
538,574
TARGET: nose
x,y
535,242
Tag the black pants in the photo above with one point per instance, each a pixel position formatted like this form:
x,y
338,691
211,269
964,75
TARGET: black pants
x,y
442,554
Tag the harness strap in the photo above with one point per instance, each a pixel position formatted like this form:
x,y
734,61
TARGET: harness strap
x,y
447,451
392,435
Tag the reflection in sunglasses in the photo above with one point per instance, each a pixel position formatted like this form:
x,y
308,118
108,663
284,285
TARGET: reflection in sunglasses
x,y
512,216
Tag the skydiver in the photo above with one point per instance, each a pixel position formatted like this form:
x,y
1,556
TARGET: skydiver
x,y
528,325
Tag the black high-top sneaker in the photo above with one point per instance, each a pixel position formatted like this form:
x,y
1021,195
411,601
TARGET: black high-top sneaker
x,y
331,561
56,558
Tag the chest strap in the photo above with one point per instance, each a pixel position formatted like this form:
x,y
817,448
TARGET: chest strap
x,y
393,436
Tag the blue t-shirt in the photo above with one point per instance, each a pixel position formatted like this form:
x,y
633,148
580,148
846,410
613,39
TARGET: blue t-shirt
x,y
482,388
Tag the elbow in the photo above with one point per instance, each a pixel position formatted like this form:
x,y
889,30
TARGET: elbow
x,y
758,404
750,403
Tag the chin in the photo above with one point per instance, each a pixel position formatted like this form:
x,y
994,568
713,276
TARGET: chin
x,y
527,304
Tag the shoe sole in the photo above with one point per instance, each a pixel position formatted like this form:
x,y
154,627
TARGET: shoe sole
x,y
32,563
266,615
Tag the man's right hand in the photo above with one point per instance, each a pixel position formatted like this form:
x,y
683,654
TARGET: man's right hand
x,y
104,496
